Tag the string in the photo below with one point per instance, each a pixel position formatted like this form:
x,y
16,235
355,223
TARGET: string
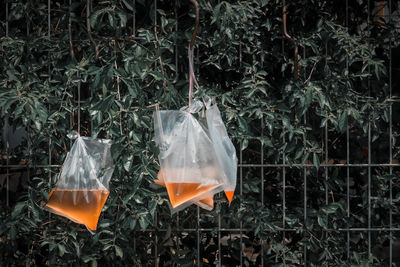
x,y
192,77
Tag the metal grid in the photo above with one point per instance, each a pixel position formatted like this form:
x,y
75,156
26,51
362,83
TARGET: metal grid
x,y
262,165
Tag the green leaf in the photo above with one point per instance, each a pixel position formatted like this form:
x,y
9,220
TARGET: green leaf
x,y
323,221
244,145
61,249
243,124
18,209
94,17
128,163
123,19
119,251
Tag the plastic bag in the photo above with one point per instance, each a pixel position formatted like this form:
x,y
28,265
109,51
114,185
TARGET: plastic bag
x,y
189,164
83,184
197,158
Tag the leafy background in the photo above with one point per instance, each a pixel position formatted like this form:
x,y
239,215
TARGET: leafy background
x,y
128,55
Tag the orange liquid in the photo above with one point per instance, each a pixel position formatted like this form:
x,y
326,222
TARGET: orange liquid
x,y
229,195
209,201
81,206
181,192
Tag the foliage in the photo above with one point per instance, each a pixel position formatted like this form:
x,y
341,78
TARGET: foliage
x,y
244,61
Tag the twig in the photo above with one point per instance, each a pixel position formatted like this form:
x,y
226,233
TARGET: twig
x,y
196,25
89,29
290,38
312,70
159,58
118,81
71,46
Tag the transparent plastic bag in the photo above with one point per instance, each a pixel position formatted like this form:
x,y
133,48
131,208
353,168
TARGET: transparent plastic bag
x,y
83,184
189,164
197,158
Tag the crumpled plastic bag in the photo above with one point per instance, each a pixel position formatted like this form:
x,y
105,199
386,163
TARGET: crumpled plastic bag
x,y
225,150
83,184
197,158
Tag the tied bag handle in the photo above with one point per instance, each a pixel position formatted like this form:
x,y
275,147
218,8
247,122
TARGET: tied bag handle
x,y
192,78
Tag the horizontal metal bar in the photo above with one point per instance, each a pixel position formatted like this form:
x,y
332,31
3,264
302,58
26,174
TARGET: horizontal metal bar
x,y
322,165
279,230
31,166
244,165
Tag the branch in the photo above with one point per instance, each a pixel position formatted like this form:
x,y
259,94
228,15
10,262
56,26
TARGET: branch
x,y
89,29
196,25
312,70
290,38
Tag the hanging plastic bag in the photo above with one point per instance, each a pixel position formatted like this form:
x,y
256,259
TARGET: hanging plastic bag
x,y
83,184
189,164
192,169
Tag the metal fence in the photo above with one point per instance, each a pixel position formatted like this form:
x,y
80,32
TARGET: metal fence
x,y
262,168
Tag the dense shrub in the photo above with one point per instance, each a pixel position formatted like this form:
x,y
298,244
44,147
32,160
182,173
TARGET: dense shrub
x,y
244,61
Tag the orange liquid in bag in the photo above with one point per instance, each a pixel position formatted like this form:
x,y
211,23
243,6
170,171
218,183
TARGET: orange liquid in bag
x,y
209,201
181,192
81,206
229,195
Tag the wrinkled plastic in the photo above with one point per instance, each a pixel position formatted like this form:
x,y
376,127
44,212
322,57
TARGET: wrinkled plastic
x,y
192,169
225,150
83,184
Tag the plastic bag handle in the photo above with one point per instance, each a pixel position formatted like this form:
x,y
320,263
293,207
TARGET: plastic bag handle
x,y
192,78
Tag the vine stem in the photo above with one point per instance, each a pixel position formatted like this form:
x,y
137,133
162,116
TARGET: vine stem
x,y
196,25
96,48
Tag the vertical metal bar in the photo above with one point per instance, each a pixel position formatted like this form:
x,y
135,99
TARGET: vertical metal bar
x,y
48,17
79,84
240,192
7,18
305,198
7,135
198,235
262,186
326,162
347,150
49,32
156,235
369,187
134,18
7,163
390,142
284,200
156,239
176,41
326,159
198,208
369,147
219,241
241,175
28,171
305,173
326,140
283,179
134,34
